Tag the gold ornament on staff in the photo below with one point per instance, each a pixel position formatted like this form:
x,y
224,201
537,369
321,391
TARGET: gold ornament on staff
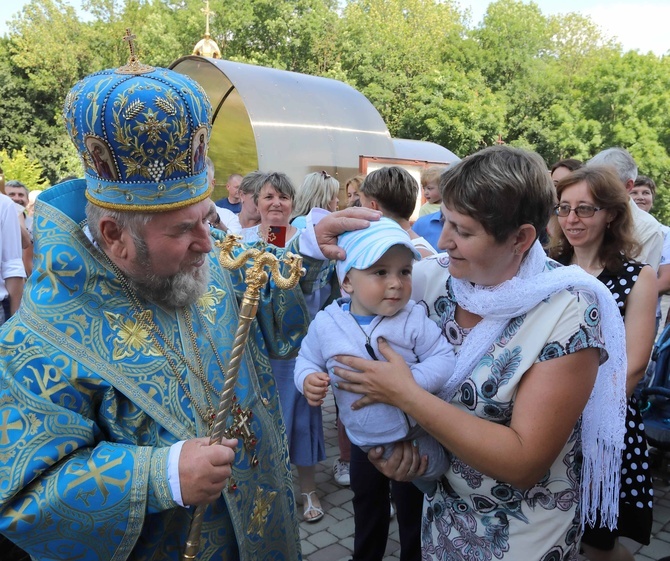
x,y
255,277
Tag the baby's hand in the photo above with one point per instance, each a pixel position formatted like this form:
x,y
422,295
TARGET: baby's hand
x,y
315,387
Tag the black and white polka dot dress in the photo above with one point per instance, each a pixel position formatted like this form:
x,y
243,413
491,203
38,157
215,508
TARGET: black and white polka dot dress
x,y
636,496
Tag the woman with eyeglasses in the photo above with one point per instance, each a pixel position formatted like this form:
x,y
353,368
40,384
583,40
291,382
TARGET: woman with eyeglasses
x,y
596,233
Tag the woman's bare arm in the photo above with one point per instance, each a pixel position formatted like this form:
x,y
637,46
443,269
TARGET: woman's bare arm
x,y
549,401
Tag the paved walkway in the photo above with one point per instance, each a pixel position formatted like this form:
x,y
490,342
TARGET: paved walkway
x,y
332,537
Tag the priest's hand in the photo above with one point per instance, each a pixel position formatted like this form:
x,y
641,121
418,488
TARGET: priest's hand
x,y
336,223
204,469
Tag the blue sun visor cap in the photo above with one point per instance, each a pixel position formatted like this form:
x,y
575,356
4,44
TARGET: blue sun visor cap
x,y
365,247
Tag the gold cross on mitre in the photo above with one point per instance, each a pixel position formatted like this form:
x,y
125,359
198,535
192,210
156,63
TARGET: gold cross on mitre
x,y
133,66
130,39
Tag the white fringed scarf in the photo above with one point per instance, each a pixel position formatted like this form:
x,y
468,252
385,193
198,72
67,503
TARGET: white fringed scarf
x,y
603,419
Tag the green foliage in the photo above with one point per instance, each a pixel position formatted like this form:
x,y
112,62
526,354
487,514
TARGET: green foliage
x,y
387,45
513,36
556,84
455,110
19,166
294,35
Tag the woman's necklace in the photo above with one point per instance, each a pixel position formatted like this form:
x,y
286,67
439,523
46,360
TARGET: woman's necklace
x,y
145,318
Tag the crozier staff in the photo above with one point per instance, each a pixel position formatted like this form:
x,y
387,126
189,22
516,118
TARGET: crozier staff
x,y
115,361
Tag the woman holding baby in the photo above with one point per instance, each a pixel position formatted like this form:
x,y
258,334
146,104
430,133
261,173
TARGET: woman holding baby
x,y
533,416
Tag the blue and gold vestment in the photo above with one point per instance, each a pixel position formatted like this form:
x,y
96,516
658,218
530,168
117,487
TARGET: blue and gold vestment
x,y
89,408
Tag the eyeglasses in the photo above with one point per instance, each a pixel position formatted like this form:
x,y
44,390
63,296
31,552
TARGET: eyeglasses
x,y
324,174
582,211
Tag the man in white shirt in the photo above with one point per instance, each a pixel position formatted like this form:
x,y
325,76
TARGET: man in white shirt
x,y
648,231
12,272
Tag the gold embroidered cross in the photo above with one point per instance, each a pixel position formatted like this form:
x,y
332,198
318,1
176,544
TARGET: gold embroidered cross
x,y
20,515
262,507
5,427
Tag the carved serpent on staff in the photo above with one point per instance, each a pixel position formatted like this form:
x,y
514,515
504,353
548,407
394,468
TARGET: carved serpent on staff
x,y
256,277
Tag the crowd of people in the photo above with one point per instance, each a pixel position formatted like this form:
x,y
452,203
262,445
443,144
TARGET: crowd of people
x,y
483,357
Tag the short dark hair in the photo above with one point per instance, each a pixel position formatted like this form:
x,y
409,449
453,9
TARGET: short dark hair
x,y
569,163
394,189
643,180
16,184
502,188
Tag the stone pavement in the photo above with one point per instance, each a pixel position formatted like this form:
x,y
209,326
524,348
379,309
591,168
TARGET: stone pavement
x,y
332,537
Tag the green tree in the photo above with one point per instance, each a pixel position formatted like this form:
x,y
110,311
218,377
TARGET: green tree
x,y
386,45
45,54
51,46
455,110
296,35
577,44
513,37
18,165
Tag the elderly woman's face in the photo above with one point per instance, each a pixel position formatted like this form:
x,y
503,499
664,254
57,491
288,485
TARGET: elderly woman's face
x,y
274,207
474,254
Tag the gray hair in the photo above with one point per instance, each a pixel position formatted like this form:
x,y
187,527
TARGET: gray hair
x,y
132,221
16,183
252,182
317,190
619,159
502,188
280,182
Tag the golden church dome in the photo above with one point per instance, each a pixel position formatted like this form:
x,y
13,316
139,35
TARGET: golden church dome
x,y
207,47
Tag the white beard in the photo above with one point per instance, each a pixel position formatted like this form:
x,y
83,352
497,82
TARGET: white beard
x,y
176,291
